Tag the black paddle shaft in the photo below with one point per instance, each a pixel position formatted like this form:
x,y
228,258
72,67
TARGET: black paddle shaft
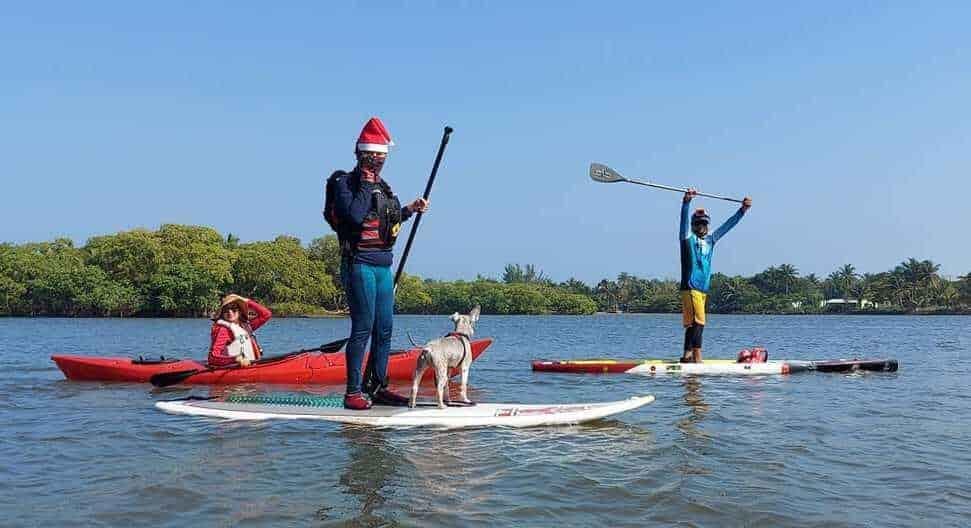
x,y
428,192
164,379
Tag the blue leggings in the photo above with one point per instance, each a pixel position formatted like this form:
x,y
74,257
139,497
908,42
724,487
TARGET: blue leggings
x,y
370,295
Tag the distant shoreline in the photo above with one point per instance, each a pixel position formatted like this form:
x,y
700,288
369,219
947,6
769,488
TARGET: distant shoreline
x,y
797,314
596,314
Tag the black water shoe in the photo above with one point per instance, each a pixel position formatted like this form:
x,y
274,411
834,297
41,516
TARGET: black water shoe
x,y
387,397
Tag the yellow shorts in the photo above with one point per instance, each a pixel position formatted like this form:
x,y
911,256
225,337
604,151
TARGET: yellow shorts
x,y
693,307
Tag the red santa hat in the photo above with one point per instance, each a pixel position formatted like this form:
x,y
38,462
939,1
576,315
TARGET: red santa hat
x,y
374,137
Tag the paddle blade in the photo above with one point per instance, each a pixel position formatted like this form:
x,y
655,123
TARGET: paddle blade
x,y
171,378
604,174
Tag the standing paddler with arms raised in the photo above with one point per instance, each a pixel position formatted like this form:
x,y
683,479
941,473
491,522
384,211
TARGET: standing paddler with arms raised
x,y
697,247
696,250
367,217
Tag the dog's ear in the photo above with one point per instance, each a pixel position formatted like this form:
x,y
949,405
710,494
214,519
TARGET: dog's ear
x,y
455,317
475,313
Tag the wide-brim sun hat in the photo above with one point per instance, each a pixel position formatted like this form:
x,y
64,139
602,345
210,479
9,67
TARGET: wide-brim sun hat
x,y
230,300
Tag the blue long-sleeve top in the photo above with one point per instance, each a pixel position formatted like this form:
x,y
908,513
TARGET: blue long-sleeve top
x,y
352,204
696,252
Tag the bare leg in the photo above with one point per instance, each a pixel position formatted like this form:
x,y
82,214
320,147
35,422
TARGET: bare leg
x,y
697,354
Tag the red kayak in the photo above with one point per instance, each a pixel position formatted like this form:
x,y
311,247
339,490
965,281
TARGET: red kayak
x,y
305,368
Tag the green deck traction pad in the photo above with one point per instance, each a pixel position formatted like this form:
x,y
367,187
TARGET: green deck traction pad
x,y
302,400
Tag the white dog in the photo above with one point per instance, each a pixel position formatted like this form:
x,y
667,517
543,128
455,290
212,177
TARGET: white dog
x,y
444,353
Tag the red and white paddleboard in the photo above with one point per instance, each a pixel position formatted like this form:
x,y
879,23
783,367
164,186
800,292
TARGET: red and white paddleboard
x,y
306,407
710,367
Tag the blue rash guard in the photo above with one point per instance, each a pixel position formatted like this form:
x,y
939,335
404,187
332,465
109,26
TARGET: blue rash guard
x,y
696,252
352,203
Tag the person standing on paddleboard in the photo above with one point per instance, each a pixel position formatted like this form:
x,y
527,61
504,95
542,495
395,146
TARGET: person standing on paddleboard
x,y
367,217
697,247
232,339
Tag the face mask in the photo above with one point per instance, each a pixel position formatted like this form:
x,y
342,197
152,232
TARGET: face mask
x,y
370,163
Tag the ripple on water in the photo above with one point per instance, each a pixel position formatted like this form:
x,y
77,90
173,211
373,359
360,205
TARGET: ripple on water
x,y
863,449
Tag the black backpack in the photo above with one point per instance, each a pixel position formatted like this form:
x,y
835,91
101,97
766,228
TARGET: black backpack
x,y
330,196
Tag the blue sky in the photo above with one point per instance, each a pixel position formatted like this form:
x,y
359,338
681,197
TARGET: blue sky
x,y
847,122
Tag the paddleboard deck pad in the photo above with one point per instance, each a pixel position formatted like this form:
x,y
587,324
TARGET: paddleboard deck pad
x,y
712,366
331,408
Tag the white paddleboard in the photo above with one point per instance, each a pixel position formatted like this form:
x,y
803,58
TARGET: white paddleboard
x,y
718,367
479,415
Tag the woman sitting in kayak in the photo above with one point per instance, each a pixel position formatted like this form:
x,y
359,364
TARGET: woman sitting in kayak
x,y
233,341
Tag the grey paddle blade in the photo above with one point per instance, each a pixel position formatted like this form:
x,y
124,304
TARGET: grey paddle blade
x,y
604,174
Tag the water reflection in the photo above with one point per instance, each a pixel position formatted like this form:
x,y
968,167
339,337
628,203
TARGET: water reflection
x,y
697,408
451,468
696,440
368,475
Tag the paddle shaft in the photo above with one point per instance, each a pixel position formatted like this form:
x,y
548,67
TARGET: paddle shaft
x,y
678,189
165,379
428,192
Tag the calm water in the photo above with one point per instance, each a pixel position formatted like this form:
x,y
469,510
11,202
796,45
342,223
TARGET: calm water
x,y
805,450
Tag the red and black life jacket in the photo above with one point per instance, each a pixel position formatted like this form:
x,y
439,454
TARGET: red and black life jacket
x,y
381,225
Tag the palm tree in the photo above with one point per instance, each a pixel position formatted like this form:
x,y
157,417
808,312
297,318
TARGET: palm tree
x,y
915,282
864,288
964,288
843,279
530,274
513,273
788,276
574,285
918,271
607,295
946,293
630,289
730,294
535,275
770,281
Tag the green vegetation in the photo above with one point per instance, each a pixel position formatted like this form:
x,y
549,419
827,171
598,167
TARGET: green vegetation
x,y
184,270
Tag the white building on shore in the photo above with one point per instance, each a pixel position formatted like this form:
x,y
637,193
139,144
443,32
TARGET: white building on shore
x,y
847,304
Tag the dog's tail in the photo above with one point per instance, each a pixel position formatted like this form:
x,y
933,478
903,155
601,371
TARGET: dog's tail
x,y
412,339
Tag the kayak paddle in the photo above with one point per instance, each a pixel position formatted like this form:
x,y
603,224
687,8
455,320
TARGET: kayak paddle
x,y
604,174
173,378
